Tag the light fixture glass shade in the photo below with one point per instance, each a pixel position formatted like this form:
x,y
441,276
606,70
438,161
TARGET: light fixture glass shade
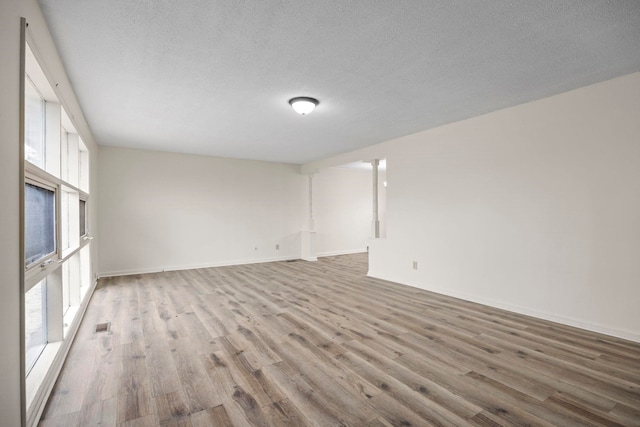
x,y
303,105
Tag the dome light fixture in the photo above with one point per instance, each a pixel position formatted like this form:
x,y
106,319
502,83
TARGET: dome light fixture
x,y
303,105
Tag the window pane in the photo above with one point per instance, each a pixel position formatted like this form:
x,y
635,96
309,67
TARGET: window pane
x,y
35,322
84,167
66,281
64,220
85,270
33,125
64,157
40,223
71,159
83,212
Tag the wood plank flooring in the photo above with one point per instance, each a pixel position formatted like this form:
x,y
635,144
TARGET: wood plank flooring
x,y
320,344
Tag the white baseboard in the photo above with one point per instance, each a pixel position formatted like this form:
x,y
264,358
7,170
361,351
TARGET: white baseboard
x,y
193,266
336,253
539,314
130,272
557,318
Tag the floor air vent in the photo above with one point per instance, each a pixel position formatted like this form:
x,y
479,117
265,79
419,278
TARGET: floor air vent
x,y
102,327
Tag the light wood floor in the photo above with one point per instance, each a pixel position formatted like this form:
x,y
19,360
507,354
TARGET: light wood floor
x,y
297,344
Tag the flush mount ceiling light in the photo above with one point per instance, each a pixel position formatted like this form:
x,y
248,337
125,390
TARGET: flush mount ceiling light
x,y
303,105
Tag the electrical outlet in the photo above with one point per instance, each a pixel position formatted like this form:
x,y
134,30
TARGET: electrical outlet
x,y
415,265
277,247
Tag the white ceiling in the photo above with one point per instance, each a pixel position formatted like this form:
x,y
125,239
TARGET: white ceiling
x,y
213,77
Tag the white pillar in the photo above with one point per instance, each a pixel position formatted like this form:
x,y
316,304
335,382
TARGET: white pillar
x,y
312,225
376,222
308,236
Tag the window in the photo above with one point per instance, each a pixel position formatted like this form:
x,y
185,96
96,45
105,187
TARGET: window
x,y
69,220
35,322
83,217
34,125
70,288
40,223
83,167
58,271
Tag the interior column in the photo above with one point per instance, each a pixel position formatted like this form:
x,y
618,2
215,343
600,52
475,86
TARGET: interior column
x,y
308,236
376,222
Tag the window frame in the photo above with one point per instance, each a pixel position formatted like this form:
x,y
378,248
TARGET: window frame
x,y
43,261
30,83
83,199
61,322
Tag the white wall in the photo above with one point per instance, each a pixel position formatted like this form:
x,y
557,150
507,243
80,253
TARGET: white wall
x,y
342,210
534,208
382,202
170,211
10,13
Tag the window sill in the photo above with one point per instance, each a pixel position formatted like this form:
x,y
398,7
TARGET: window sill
x,y
68,318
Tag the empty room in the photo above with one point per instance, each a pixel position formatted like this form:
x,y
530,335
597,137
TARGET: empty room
x,y
319,213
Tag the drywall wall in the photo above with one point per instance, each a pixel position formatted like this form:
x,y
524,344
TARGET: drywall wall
x,y
342,210
534,208
161,211
10,13
382,202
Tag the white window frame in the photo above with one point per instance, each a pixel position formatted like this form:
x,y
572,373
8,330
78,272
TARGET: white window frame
x,y
61,321
42,262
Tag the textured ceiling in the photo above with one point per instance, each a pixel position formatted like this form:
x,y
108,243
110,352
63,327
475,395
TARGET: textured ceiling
x,y
213,77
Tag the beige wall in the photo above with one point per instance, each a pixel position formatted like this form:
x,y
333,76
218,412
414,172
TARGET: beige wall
x,y
342,210
170,211
534,208
10,12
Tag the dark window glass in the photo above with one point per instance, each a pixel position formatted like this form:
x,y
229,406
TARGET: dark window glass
x,y
40,223
83,218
